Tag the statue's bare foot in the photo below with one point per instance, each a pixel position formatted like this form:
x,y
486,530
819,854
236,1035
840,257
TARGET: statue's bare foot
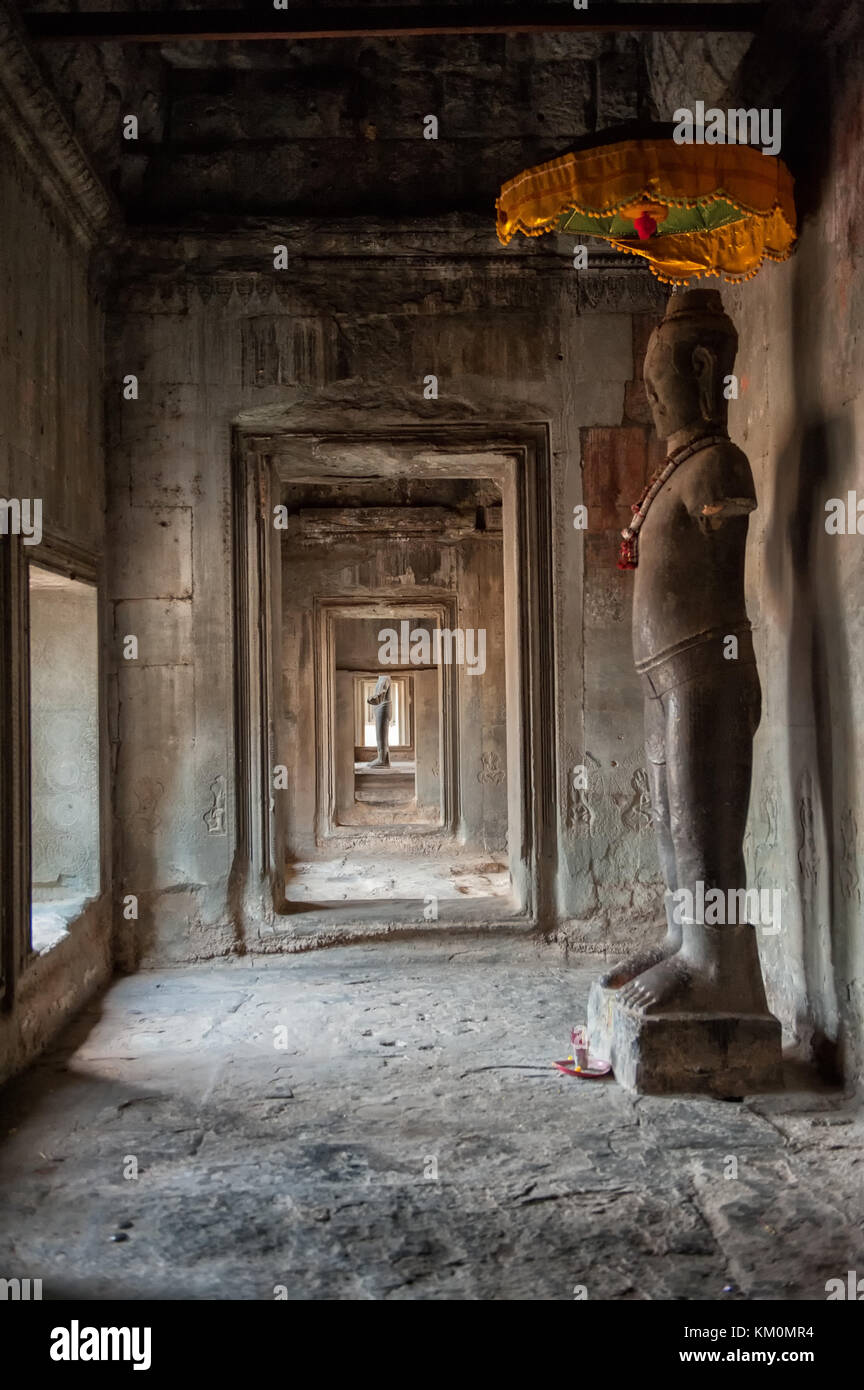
x,y
627,970
670,984
723,978
379,762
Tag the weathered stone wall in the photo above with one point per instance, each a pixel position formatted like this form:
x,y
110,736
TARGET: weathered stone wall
x,y
609,833
800,417
50,364
342,341
51,361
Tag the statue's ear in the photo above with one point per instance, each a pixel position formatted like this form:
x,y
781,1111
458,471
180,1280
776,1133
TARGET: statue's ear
x,y
705,372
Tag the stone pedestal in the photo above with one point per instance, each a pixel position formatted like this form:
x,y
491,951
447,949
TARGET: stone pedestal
x,y
600,1003
718,1054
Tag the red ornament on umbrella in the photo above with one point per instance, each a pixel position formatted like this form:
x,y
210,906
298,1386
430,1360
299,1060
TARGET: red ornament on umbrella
x,y
645,226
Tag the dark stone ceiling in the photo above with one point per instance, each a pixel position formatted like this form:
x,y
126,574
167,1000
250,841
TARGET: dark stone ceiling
x,y
333,129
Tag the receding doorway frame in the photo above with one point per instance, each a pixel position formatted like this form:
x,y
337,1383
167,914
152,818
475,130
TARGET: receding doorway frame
x,y
441,608
518,457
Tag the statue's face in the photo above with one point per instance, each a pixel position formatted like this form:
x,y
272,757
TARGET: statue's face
x,y
672,395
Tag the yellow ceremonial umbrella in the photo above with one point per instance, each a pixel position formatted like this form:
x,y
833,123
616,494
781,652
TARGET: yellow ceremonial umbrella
x,y
690,210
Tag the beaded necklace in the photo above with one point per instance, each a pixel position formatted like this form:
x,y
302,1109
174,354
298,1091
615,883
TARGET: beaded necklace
x,y
628,551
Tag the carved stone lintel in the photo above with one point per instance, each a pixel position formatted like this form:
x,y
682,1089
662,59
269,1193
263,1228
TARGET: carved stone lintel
x,y
324,524
32,121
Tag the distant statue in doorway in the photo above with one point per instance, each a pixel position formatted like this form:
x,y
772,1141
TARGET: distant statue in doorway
x,y
382,705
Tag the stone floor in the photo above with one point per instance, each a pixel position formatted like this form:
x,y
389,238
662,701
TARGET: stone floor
x,y
372,876
382,1122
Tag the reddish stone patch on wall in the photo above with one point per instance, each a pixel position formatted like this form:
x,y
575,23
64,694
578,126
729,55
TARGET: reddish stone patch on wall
x,y
616,463
636,410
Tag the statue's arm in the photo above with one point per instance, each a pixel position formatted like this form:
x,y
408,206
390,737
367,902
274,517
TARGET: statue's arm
x,y
382,692
719,487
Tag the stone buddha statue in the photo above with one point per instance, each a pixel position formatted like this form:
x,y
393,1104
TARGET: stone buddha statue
x,y
694,656
381,703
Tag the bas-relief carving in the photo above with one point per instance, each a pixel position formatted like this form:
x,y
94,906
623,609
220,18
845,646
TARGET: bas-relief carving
x,y
580,814
619,290
490,769
808,856
635,807
850,885
624,290
591,805
214,817
148,793
767,843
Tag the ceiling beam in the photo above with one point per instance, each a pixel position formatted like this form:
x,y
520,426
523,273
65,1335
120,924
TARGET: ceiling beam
x,y
391,21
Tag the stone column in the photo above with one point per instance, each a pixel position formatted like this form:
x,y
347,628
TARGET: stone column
x,y
427,743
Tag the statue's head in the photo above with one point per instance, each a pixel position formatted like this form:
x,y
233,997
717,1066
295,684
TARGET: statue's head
x,y
689,356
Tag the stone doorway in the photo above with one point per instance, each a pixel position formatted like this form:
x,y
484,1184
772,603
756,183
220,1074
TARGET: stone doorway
x,y
484,856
